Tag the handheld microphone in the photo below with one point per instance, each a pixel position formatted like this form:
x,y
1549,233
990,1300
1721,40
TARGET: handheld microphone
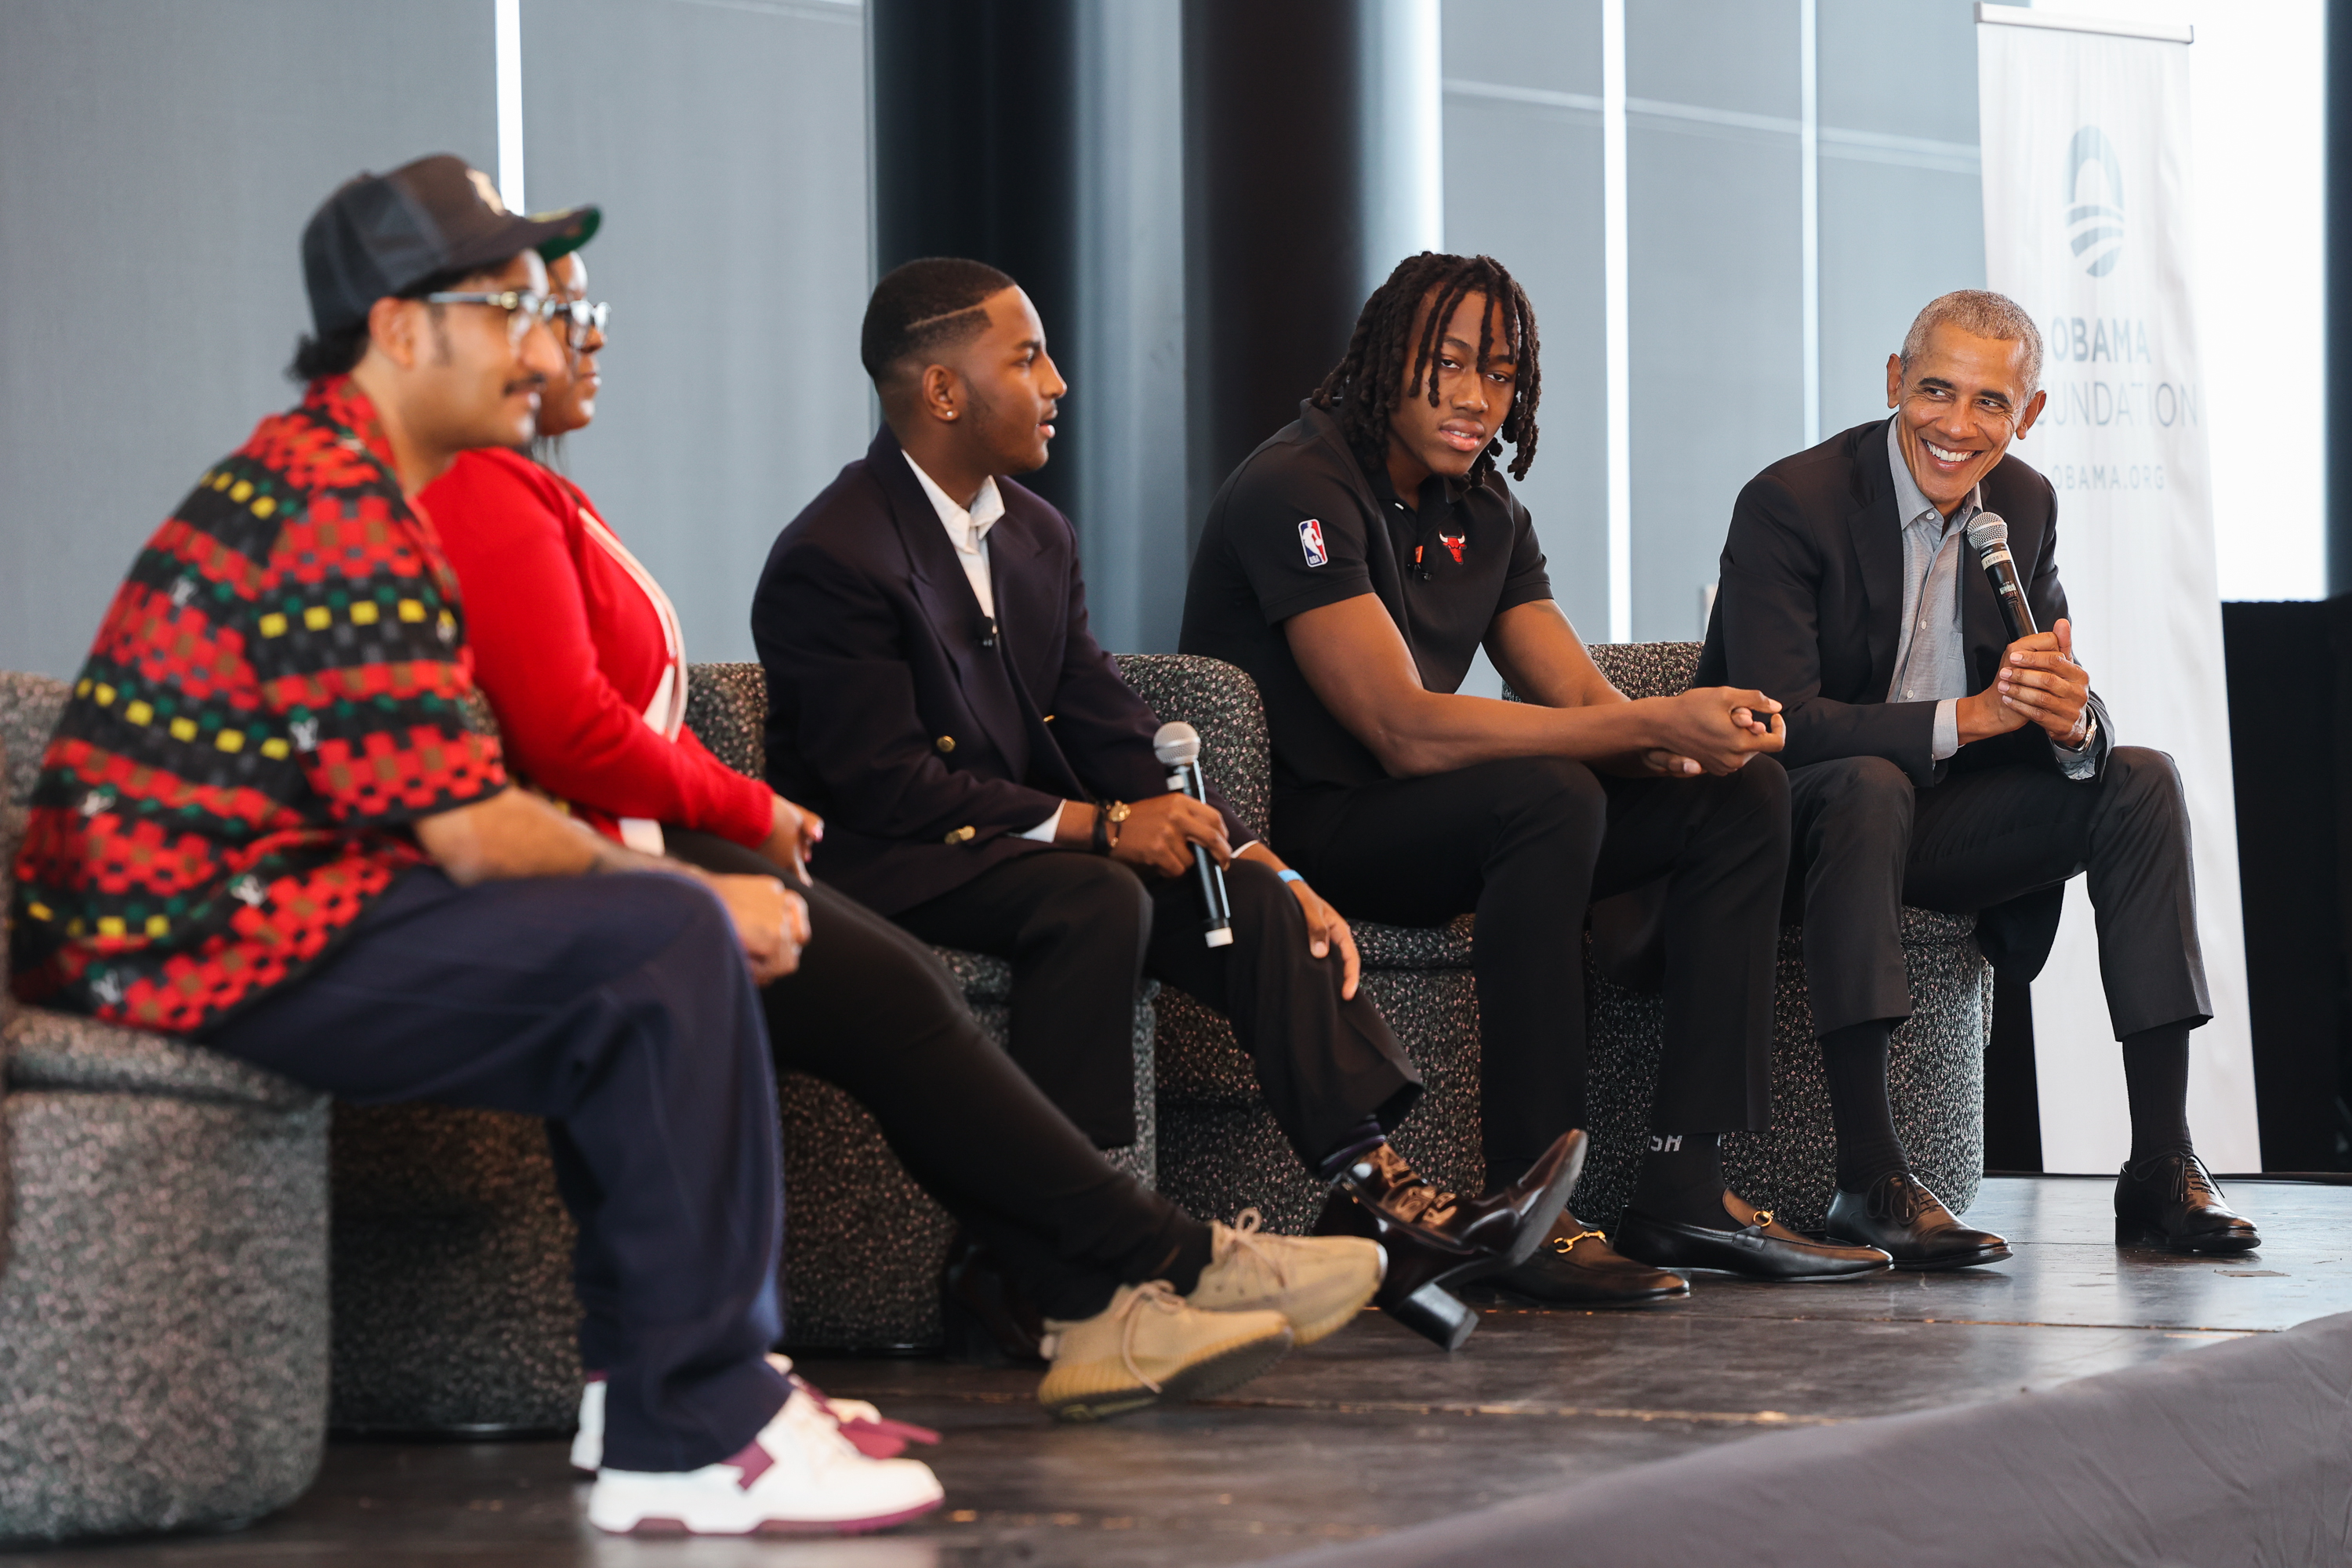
x,y
1989,537
1178,747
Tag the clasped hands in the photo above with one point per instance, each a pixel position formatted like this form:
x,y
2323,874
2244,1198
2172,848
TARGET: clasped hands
x,y
771,921
1711,730
2038,682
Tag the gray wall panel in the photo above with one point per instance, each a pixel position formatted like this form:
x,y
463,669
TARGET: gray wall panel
x,y
727,144
1128,390
1905,67
1739,56
1901,206
1892,238
161,159
1523,185
1718,370
1553,45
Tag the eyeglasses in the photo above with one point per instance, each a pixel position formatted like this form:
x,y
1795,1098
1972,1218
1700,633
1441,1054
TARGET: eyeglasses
x,y
583,319
525,308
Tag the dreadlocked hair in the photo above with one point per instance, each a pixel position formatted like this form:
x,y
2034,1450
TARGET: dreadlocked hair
x,y
1385,356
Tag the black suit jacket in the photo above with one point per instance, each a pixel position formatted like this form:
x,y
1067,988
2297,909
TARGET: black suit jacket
x,y
927,752
1809,610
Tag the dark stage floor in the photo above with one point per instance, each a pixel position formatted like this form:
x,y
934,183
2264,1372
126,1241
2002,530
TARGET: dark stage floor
x,y
1374,1429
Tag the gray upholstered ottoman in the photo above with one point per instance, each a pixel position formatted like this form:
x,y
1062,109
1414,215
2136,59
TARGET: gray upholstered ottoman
x,y
454,1309
1935,1068
163,1259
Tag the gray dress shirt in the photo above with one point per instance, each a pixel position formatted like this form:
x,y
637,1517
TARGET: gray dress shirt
x,y
1931,654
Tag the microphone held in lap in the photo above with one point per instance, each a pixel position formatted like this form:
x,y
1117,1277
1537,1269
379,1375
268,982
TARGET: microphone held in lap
x,y
1989,537
1178,747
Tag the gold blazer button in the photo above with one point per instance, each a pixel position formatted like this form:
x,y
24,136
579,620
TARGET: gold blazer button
x,y
961,834
946,743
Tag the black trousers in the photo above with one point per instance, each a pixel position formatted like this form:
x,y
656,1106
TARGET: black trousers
x,y
618,1007
874,1011
1868,842
1081,929
1528,843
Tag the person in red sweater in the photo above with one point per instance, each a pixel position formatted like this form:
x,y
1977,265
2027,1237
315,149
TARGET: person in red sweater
x,y
583,659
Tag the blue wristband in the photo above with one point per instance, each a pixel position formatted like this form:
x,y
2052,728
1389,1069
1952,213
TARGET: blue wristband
x,y
1288,875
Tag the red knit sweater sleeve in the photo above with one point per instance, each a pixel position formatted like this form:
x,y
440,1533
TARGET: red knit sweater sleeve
x,y
505,524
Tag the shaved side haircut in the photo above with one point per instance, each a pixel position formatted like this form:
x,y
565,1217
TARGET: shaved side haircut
x,y
923,307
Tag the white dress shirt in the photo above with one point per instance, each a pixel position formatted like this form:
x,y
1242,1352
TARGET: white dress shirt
x,y
967,531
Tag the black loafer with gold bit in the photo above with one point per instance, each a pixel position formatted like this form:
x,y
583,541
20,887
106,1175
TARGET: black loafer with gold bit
x,y
1576,1267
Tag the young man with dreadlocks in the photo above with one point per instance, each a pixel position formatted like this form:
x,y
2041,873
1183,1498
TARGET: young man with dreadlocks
x,y
1353,565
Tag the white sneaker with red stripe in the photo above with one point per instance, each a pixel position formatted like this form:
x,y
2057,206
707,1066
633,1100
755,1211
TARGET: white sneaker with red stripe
x,y
800,1476
871,1433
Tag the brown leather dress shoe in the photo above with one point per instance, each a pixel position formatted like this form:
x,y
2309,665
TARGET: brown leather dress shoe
x,y
2171,1200
1574,1266
1437,1241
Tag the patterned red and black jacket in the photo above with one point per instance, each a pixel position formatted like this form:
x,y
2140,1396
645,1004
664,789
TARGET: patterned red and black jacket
x,y
276,691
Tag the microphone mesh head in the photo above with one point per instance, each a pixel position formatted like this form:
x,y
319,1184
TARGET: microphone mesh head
x,y
1989,531
1176,743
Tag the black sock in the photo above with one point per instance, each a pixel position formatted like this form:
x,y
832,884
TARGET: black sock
x,y
1366,1138
1194,1249
1868,1149
2155,1076
1681,1179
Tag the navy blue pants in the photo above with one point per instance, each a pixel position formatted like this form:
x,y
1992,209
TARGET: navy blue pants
x,y
619,1008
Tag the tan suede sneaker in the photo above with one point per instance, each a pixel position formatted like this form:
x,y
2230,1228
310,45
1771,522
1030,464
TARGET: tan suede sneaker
x,y
1150,1345
1318,1282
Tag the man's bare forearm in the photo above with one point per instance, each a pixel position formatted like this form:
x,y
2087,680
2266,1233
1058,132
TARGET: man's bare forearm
x,y
515,834
1436,734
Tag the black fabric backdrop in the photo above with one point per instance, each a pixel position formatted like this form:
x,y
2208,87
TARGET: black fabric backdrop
x,y
2289,688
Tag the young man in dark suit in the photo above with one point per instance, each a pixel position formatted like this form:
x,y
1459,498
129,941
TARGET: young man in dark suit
x,y
988,781
1934,760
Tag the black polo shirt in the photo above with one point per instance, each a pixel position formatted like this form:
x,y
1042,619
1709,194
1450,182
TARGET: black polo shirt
x,y
1301,525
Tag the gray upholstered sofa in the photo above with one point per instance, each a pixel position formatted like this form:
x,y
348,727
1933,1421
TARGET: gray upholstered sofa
x,y
1219,1148
454,1309
163,1257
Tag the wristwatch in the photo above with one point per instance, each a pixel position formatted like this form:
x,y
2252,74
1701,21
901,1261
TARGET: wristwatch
x,y
1108,816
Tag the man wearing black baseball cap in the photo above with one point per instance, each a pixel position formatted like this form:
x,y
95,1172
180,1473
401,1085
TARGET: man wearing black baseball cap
x,y
265,821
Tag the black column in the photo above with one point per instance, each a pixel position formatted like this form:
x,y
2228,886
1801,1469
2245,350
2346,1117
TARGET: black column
x,y
974,106
2339,295
1274,216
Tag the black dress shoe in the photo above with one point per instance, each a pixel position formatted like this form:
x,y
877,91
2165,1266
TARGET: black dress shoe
x,y
1437,1241
2171,1199
1576,1267
1910,1224
1760,1247
986,1319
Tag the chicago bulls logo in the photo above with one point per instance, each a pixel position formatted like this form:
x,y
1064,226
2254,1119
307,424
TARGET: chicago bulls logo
x,y
1453,542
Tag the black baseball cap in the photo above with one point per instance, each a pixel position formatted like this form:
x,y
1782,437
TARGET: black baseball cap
x,y
383,234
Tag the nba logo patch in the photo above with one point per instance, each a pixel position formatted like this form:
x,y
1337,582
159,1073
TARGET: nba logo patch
x,y
1310,540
